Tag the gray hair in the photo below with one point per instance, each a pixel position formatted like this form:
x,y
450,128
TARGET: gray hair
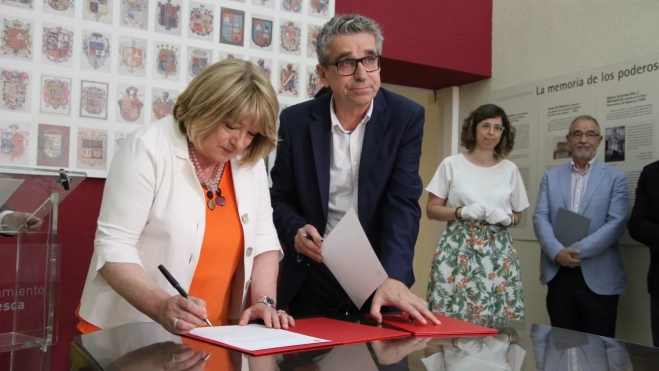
x,y
345,25
584,117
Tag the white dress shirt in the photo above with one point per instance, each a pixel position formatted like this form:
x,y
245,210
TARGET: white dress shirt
x,y
346,152
579,184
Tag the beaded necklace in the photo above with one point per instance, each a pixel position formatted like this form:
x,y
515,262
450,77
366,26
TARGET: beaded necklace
x,y
210,184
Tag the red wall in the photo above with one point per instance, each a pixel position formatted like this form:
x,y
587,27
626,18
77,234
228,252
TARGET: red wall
x,y
431,43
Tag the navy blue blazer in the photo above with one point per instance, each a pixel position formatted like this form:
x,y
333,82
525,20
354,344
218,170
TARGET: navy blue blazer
x,y
389,183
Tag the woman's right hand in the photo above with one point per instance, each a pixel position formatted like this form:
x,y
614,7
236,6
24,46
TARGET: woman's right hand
x,y
179,315
474,211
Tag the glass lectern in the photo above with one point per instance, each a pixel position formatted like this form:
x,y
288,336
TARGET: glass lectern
x,y
29,263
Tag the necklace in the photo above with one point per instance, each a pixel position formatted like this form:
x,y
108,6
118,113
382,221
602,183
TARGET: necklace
x,y
210,184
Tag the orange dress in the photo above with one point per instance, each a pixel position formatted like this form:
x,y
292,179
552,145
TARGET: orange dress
x,y
221,251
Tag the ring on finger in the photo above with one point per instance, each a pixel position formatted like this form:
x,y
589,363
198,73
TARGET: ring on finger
x,y
175,322
281,311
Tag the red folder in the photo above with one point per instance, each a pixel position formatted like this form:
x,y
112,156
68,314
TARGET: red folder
x,y
449,327
342,331
337,332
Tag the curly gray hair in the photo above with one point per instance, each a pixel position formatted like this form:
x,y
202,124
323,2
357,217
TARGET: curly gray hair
x,y
345,25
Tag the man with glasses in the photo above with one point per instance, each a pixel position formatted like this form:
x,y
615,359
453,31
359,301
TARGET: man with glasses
x,y
357,147
585,279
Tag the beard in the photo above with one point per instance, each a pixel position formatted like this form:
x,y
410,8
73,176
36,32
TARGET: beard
x,y
582,154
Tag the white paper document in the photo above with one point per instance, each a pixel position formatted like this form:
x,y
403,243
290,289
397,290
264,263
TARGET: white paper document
x,y
7,187
350,257
254,337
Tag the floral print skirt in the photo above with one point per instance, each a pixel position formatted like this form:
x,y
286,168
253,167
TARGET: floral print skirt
x,y
475,273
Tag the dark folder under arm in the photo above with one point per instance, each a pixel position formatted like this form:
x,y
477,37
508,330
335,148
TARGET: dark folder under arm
x,y
570,227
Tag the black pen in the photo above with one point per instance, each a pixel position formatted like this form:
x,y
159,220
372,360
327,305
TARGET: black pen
x,y
310,238
178,287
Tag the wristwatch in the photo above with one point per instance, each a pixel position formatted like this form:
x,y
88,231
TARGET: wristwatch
x,y
267,301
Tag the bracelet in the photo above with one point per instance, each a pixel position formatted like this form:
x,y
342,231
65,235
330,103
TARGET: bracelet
x,y
512,217
456,213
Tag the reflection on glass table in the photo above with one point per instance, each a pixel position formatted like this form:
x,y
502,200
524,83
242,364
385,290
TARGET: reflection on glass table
x,y
519,346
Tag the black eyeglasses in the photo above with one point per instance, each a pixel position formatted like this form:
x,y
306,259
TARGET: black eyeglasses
x,y
588,134
348,67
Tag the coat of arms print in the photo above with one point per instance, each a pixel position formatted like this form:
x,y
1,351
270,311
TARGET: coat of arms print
x,y
199,59
92,149
168,16
98,10
14,146
16,39
55,95
201,20
167,60
232,26
293,6
132,56
134,13
130,105
289,80
94,100
312,35
53,145
57,44
289,37
15,91
262,33
163,102
59,7
25,4
319,8
265,66
96,48
266,3
314,83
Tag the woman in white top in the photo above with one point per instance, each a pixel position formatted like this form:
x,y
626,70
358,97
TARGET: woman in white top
x,y
489,353
475,270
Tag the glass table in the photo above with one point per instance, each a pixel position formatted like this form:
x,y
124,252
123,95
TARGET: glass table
x,y
519,346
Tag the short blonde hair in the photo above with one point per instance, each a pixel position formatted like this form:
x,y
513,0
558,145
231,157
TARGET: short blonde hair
x,y
231,90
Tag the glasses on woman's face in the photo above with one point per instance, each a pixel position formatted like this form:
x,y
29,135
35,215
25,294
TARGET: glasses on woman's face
x,y
348,67
486,127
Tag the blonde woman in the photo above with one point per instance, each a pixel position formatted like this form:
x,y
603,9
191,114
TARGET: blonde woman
x,y
190,192
475,270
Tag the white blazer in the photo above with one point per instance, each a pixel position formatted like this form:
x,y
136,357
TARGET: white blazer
x,y
154,212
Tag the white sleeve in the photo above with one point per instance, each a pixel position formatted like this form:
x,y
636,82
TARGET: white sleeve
x,y
440,183
518,198
2,217
266,234
127,199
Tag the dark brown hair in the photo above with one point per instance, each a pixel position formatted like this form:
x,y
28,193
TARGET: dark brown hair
x,y
484,112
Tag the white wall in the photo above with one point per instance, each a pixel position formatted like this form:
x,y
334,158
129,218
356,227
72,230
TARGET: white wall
x,y
535,39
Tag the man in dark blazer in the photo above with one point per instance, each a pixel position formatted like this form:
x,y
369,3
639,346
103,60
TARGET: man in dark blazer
x,y
643,227
358,147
